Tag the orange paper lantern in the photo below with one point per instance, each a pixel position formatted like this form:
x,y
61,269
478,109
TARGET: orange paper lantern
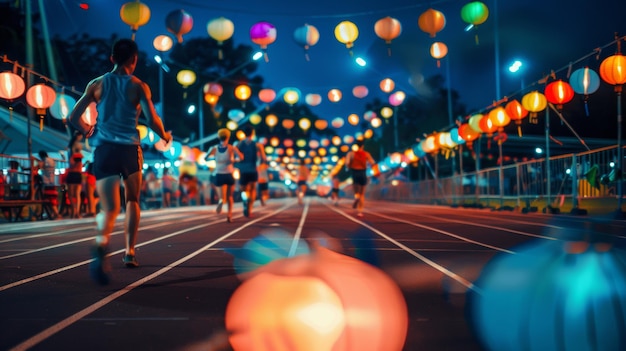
x,y
432,22
613,70
516,112
388,29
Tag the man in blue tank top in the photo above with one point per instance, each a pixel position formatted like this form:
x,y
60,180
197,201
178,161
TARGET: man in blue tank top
x,y
248,175
120,97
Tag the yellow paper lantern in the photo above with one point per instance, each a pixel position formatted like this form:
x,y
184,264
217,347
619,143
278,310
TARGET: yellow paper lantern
x,y
304,124
255,119
220,29
291,96
346,33
186,77
534,102
474,122
386,112
271,120
243,92
135,14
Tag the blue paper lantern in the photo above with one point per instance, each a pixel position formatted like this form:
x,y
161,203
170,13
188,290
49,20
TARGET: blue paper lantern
x,y
584,81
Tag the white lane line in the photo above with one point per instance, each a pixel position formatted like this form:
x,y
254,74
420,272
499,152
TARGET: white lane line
x,y
424,259
487,226
48,332
298,233
442,232
28,252
72,266
35,236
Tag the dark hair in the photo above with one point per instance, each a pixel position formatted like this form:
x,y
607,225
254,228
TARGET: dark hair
x,y
123,50
248,131
359,142
43,154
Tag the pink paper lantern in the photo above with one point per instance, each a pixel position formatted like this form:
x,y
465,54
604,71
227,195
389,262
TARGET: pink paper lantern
x,y
263,34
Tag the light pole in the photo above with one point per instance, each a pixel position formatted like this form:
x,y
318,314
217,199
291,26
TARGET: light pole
x,y
162,43
515,67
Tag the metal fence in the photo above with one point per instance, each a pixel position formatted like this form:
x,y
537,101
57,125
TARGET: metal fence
x,y
586,182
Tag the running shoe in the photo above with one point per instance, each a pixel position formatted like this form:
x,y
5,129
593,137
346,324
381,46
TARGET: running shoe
x,y
99,268
360,214
218,209
130,261
356,202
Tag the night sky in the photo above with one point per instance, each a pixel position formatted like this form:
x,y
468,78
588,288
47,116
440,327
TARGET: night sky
x,y
545,35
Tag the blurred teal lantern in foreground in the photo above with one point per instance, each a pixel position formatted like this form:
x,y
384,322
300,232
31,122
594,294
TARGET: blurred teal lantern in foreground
x,y
562,294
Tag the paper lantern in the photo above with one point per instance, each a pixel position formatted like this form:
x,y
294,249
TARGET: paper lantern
x,y
456,137
334,95
386,112
135,14
347,33
388,29
220,29
304,124
212,92
267,95
306,36
474,13
186,77
11,86
243,92
429,145
534,102
487,126
474,122
552,295
162,43
397,98
376,122
291,96
438,50
236,115
360,91
387,85
337,122
288,124
499,117
353,119
431,21
585,81
516,112
320,124
271,120
316,302
313,99
255,119
368,115
40,97
467,133
62,106
558,93
179,23
263,34
613,70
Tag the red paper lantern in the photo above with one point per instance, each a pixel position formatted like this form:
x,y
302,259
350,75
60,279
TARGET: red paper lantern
x,y
40,96
467,133
11,86
559,92
517,112
179,22
487,126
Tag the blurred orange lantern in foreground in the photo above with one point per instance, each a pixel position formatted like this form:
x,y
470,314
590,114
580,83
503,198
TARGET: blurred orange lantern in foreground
x,y
388,29
360,91
431,21
499,117
334,95
487,126
321,124
316,302
243,93
271,120
559,92
467,133
267,95
212,92
517,112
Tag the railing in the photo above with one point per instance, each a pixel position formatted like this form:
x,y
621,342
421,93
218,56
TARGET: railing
x,y
591,185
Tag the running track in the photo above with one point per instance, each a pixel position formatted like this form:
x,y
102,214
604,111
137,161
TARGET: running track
x,y
176,299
